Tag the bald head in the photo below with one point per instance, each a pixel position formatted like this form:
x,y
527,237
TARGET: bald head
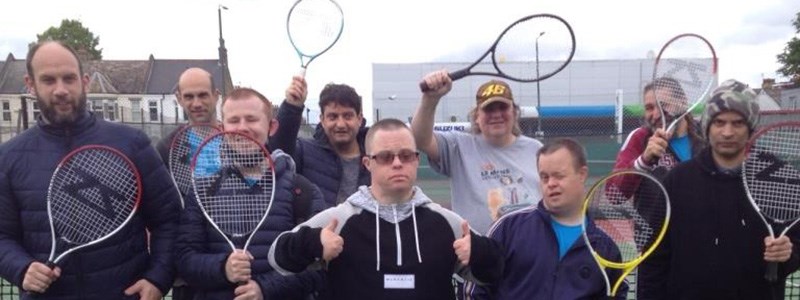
x,y
197,95
196,75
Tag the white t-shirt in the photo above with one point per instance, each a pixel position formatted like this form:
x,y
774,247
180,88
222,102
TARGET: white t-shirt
x,y
484,177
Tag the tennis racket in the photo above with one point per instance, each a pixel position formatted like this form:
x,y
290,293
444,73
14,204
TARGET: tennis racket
x,y
626,217
544,38
234,187
183,147
684,72
95,190
313,26
771,175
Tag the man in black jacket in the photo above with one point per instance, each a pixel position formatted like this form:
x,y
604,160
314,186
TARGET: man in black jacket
x,y
716,246
129,264
332,158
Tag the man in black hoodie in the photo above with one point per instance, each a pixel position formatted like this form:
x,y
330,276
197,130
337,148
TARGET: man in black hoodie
x,y
716,246
389,240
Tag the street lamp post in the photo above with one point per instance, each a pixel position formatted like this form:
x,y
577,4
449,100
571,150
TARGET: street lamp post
x,y
223,52
538,97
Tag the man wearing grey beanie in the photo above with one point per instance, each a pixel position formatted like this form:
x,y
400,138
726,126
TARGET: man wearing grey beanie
x,y
716,246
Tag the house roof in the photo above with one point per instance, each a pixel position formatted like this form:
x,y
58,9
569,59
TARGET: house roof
x,y
12,78
116,76
151,76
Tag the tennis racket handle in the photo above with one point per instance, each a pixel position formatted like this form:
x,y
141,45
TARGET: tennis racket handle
x,y
302,72
772,272
423,86
50,264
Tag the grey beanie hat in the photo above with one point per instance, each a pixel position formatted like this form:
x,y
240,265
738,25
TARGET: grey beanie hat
x,y
732,95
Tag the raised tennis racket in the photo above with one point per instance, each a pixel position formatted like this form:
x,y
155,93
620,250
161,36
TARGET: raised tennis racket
x,y
93,193
771,175
314,26
684,73
626,217
234,187
183,147
544,43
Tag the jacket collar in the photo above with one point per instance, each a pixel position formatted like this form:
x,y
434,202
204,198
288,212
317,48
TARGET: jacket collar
x,y
85,120
322,140
707,164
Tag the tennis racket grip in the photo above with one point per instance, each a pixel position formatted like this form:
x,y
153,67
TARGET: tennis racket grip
x,y
423,86
772,272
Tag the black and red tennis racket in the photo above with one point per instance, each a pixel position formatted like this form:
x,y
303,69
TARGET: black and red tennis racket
x,y
544,42
771,175
234,188
684,73
94,192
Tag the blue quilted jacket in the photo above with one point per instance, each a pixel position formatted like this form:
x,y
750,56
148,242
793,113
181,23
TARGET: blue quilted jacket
x,y
202,251
105,270
315,158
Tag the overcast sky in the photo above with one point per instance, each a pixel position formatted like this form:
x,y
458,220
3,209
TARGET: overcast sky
x,y
747,34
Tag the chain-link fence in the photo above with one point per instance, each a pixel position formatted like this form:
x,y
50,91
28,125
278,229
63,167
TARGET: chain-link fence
x,y
601,129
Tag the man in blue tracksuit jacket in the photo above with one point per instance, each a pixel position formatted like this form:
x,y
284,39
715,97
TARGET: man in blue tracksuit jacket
x,y
126,266
545,255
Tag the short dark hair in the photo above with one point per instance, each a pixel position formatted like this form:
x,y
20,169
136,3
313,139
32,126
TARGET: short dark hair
x,y
385,125
340,94
35,47
575,149
243,92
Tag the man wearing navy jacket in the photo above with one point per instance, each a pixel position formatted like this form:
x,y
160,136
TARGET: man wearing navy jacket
x,y
128,265
545,255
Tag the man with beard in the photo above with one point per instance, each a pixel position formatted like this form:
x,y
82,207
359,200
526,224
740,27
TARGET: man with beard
x,y
479,163
332,158
128,264
716,246
649,148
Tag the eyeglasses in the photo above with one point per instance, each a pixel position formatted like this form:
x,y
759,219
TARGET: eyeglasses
x,y
387,157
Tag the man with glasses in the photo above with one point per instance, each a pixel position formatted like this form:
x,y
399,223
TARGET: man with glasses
x,y
491,169
400,245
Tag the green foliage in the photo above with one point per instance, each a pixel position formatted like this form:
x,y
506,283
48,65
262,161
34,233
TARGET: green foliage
x,y
790,58
72,33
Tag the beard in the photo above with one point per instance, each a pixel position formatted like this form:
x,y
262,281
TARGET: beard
x,y
55,117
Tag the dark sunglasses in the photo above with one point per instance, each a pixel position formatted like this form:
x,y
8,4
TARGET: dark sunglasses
x,y
387,157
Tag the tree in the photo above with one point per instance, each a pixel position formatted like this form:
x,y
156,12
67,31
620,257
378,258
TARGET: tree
x,y
72,33
790,58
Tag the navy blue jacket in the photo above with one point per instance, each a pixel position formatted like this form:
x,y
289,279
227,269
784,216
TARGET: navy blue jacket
x,y
105,270
202,251
533,269
714,245
315,159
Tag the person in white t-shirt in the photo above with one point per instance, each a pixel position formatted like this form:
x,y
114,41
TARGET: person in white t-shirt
x,y
492,169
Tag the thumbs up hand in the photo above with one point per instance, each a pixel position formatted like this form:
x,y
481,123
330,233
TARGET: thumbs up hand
x,y
463,246
332,243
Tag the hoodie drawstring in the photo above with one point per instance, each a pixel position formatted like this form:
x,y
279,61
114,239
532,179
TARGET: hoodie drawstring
x,y
416,232
377,238
397,236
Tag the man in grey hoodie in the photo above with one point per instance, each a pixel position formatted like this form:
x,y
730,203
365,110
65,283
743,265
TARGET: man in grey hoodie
x,y
388,240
